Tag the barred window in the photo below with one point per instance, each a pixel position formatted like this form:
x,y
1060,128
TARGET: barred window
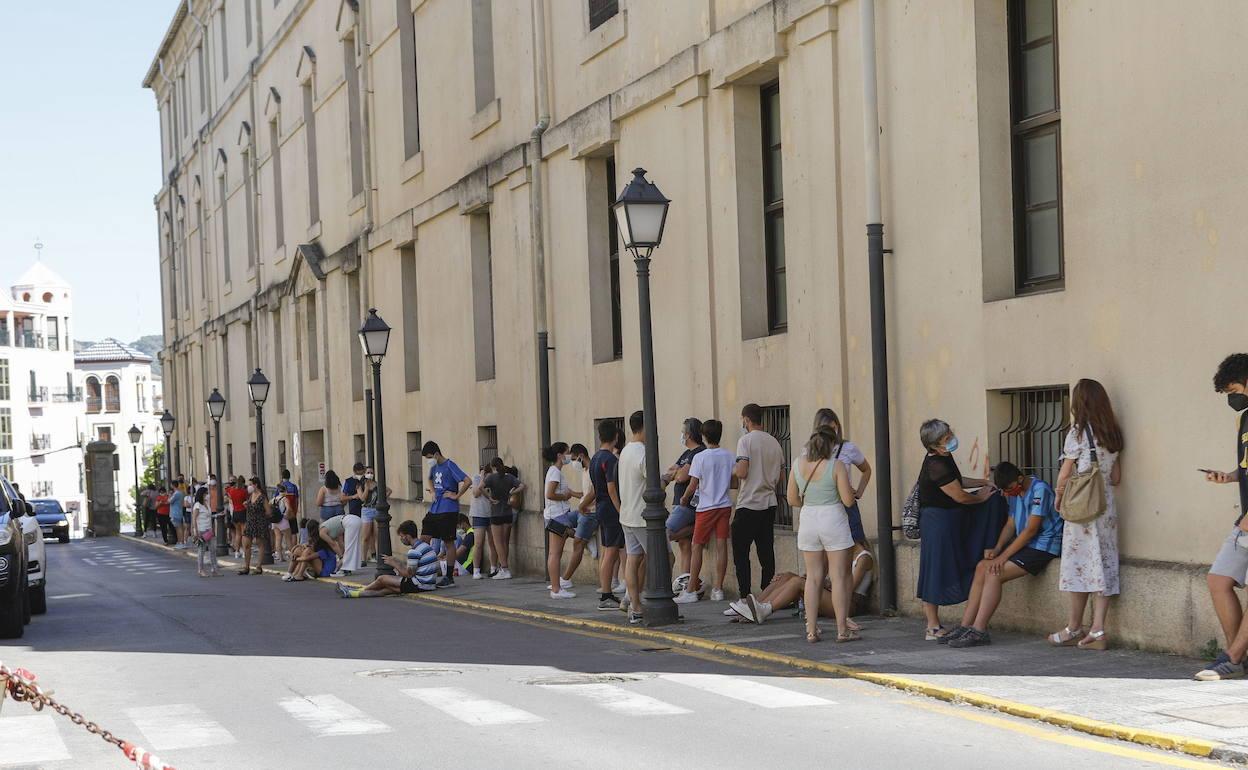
x,y
415,467
1039,421
618,422
487,441
776,422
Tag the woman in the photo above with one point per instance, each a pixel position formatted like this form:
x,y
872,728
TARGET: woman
x,y
201,526
505,491
850,455
479,512
317,558
329,496
1090,551
258,511
560,521
177,515
820,484
237,493
957,526
281,533
368,513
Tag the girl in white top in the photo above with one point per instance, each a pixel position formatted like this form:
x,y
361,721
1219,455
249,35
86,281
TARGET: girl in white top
x,y
560,521
201,526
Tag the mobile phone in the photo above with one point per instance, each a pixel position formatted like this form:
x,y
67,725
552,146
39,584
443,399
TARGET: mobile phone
x,y
1205,470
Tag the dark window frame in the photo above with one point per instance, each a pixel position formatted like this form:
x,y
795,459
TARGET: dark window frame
x,y
415,466
601,11
773,219
613,244
487,439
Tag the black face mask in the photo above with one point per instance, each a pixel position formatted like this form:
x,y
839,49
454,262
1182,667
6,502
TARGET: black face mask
x,y
1237,401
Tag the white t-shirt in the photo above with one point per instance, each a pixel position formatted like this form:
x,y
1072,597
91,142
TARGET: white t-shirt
x,y
851,455
201,517
713,470
632,483
555,508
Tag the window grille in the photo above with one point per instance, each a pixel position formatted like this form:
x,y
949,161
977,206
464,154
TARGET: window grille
x,y
1039,421
776,422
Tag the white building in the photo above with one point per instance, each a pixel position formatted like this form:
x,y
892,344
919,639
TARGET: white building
x,y
121,392
41,407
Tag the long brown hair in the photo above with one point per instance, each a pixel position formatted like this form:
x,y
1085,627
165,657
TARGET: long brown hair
x,y
1089,405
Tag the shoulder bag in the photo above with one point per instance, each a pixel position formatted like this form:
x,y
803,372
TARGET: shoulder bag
x,y
1083,500
910,514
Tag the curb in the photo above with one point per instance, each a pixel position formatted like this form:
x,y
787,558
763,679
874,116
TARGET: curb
x,y
1196,747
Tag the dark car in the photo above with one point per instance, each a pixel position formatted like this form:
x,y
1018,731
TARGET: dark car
x,y
52,519
14,596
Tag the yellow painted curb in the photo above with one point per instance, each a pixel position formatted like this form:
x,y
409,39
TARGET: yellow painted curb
x,y
1192,746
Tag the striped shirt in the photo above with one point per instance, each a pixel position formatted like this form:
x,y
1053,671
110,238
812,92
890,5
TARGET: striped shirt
x,y
424,561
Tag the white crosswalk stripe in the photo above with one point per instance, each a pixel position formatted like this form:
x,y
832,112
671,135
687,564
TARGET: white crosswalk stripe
x,y
619,700
762,695
180,726
468,708
330,715
30,739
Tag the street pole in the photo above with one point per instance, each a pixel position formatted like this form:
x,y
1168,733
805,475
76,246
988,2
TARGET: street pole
x,y
223,531
168,464
383,494
267,556
138,512
370,438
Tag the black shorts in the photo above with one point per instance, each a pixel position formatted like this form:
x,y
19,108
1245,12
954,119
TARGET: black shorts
x,y
559,528
410,586
439,526
238,517
1032,560
610,531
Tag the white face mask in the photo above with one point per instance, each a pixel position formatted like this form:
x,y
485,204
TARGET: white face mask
x,y
251,489
460,532
368,475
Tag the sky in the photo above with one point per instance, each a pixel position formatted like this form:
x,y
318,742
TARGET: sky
x,y
80,156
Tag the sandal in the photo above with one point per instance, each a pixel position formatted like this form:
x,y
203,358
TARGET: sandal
x,y
852,626
849,636
814,636
244,572
1065,637
257,571
1095,640
934,633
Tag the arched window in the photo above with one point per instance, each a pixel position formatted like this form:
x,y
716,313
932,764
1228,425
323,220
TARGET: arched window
x,y
94,403
112,394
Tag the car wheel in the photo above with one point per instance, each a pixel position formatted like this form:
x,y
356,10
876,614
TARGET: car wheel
x,y
11,625
39,599
63,539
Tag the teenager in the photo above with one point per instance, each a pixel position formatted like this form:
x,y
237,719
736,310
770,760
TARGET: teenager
x,y
446,483
784,591
353,523
479,518
502,487
417,573
680,521
560,521
760,473
631,483
852,457
237,493
585,537
710,475
604,496
162,517
317,558
177,515
258,511
201,525
370,493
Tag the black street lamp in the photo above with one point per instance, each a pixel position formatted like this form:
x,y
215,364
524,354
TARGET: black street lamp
x,y
136,436
216,410
641,213
258,389
375,338
166,425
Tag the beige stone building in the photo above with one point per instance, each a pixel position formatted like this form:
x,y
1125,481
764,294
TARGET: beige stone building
x,y
1059,185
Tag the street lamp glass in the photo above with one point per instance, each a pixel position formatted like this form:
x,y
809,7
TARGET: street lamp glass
x,y
374,335
216,405
166,422
136,435
258,387
641,212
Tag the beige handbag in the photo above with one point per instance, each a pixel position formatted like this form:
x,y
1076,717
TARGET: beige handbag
x,y
1084,498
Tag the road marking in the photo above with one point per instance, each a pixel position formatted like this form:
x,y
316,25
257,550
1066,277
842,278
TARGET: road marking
x,y
180,726
70,596
756,693
90,562
330,715
619,699
166,571
28,739
466,707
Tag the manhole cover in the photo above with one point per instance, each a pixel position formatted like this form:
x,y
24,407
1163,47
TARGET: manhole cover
x,y
567,679
387,673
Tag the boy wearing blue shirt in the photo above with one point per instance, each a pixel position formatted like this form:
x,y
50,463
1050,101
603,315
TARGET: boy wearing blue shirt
x,y
1030,539
447,482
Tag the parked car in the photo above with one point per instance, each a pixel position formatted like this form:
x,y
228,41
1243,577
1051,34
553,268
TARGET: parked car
x,y
15,606
53,521
36,563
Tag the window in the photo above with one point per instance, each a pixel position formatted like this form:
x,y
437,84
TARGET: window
x,y
279,220
250,204
309,138
354,132
415,467
229,460
1035,116
225,371
112,394
357,360
279,363
309,313
281,456
602,10
410,78
1038,421
94,401
773,211
411,326
54,333
186,109
5,390
202,66
6,428
361,448
225,224
247,20
776,422
606,318
483,52
618,422
203,252
104,433
138,397
225,48
487,444
249,364
482,295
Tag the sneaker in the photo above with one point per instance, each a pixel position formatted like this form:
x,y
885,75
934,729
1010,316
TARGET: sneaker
x,y
634,618
611,603
717,594
287,578
957,633
593,547
1221,668
446,582
972,638
562,593
730,612
741,607
756,610
625,603
503,574
340,573
681,582
343,590
762,611
565,584
618,587
476,574
684,597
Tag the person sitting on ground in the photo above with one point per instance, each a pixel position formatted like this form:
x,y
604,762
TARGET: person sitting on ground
x,y
465,547
784,591
1030,539
418,573
319,558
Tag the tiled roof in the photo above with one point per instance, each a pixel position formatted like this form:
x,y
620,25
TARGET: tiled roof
x,y
110,349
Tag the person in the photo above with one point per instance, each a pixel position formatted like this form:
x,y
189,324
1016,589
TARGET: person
x,y
680,522
147,522
368,514
852,457
501,487
560,521
280,530
417,573
631,484
604,495
1230,567
577,471
177,515
291,492
710,475
1090,551
162,516
353,495
447,483
479,516
237,493
785,590
258,512
759,471
957,526
201,526
329,496
317,558
1030,539
465,547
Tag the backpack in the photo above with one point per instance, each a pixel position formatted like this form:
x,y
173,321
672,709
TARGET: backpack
x,y
910,515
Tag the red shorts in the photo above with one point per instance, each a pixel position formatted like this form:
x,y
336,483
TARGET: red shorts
x,y
712,523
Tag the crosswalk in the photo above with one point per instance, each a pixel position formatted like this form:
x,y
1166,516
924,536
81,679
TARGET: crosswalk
x,y
99,555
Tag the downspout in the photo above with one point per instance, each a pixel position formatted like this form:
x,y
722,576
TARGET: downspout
x,y
879,337
536,232
366,57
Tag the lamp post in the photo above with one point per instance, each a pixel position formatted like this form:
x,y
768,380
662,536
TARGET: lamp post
x,y
136,436
641,213
216,410
166,425
375,338
258,389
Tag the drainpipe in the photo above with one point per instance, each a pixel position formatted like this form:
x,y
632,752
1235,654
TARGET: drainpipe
x,y
879,338
366,126
535,222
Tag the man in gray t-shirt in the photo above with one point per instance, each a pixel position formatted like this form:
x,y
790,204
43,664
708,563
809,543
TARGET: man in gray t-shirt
x,y
760,473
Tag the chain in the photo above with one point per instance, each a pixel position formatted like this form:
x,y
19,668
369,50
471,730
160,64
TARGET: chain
x,y
21,686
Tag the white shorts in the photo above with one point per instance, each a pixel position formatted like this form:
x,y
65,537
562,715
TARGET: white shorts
x,y
824,528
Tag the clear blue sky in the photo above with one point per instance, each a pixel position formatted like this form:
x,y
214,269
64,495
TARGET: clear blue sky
x,y
80,156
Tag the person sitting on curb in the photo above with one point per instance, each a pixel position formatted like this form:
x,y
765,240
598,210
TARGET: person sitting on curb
x,y
784,591
1030,539
318,558
465,547
418,573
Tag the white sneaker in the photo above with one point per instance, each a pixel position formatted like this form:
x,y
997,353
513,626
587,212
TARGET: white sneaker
x,y
339,574
730,611
742,608
681,582
618,588
593,547
476,574
562,594
566,585
717,594
503,574
684,597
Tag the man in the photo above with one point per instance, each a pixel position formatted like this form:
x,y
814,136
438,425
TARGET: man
x,y
446,483
162,516
1230,566
417,573
1030,539
759,472
577,471
353,522
290,493
148,501
177,515
604,496
680,522
500,485
631,482
710,476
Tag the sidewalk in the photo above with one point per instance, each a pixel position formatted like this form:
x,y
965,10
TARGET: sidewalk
x,y
1143,697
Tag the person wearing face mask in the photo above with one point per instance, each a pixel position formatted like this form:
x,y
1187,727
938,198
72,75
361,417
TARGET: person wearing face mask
x,y
560,520
256,525
680,520
957,526
368,514
353,494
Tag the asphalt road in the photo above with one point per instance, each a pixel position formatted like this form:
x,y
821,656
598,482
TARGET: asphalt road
x,y
250,672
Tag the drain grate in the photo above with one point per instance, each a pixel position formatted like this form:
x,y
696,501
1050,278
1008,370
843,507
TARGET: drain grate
x,y
391,673
572,679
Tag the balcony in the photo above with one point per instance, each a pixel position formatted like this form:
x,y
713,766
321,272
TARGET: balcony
x,y
29,339
39,395
112,404
66,395
94,404
41,489
40,442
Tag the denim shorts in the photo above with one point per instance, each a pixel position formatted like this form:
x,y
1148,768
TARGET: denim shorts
x,y
681,517
368,514
1232,558
586,525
